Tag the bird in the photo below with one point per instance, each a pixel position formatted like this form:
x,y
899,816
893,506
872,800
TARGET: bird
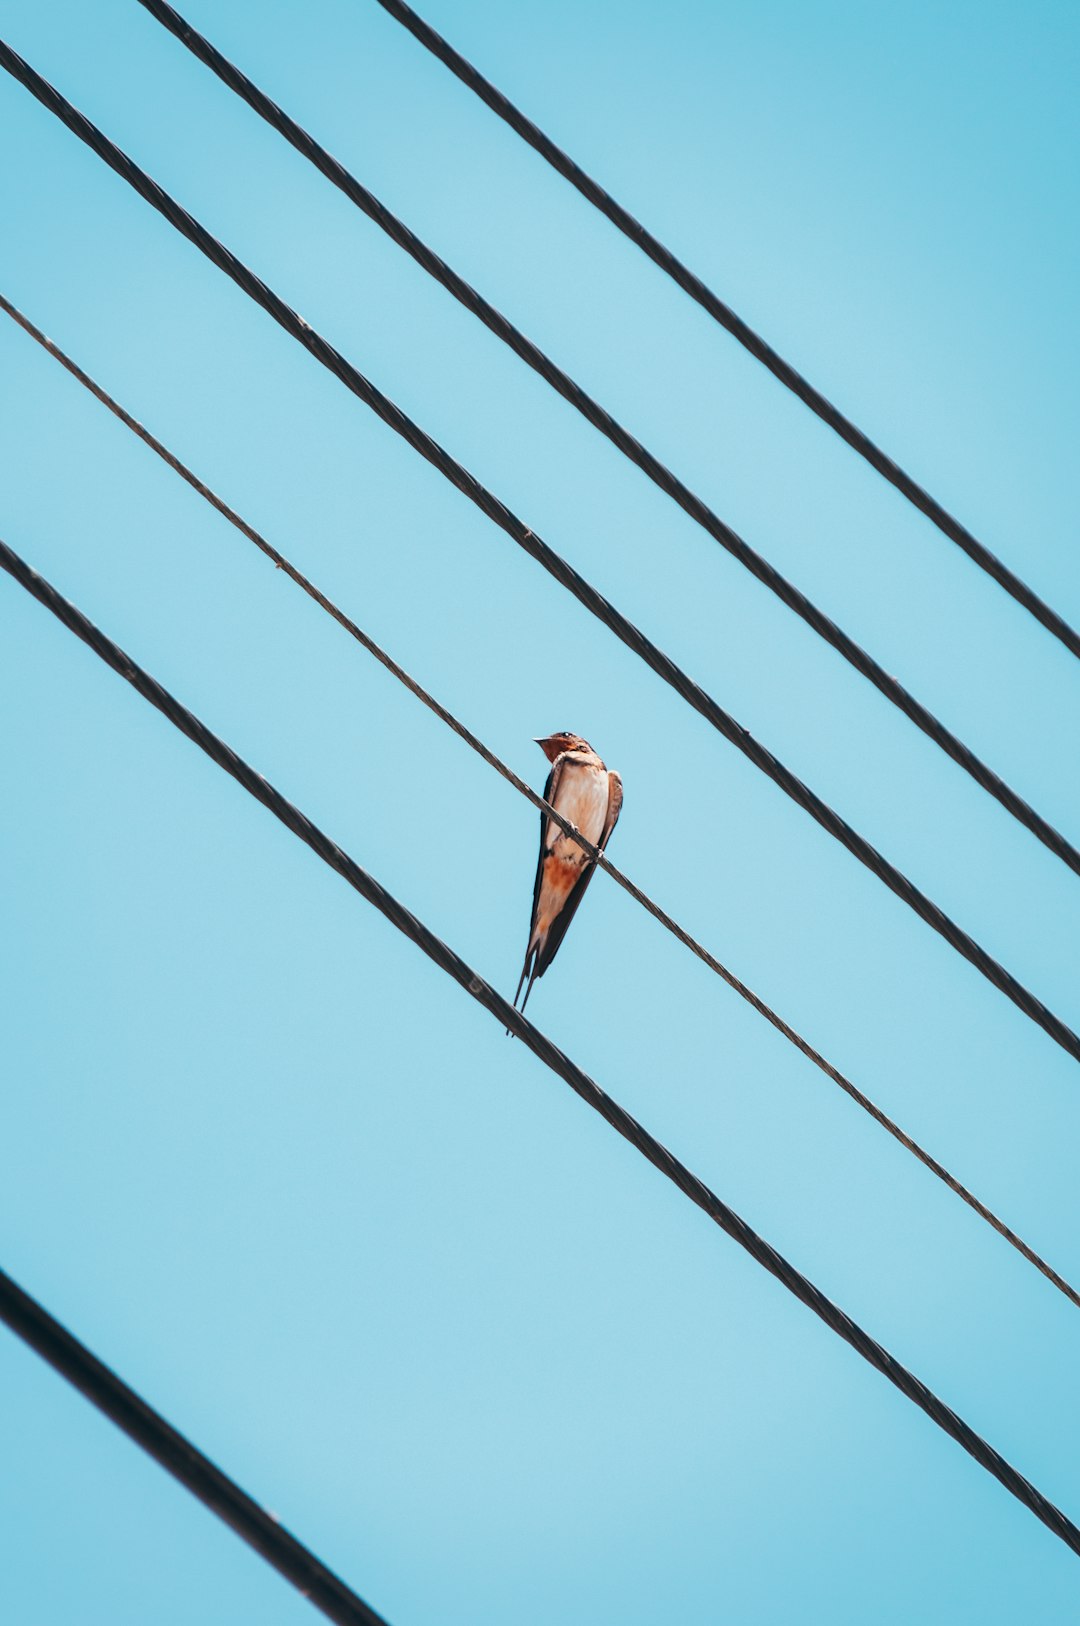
x,y
590,796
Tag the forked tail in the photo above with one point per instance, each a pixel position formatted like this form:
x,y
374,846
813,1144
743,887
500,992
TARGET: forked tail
x,y
528,976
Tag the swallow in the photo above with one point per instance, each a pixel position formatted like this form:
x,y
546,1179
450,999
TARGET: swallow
x,y
590,795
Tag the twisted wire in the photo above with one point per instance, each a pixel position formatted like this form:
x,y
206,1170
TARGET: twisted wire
x,y
556,566
585,1087
601,419
184,1461
692,284
597,856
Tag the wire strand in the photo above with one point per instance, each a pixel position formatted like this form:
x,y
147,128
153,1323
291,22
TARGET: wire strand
x,y
556,566
601,419
741,331
184,1461
542,1047
526,790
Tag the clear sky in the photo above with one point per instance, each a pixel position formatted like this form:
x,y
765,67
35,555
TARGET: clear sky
x,y
258,1153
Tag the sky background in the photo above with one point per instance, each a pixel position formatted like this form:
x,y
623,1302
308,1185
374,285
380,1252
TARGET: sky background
x,y
259,1154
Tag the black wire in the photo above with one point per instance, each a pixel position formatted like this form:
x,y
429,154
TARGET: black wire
x,y
600,858
620,437
214,1489
563,572
727,318
541,1046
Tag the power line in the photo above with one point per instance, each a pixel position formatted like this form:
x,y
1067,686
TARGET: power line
x,y
601,419
367,642
556,566
727,318
549,1053
214,1489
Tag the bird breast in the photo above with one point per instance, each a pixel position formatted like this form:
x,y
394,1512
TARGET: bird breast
x,y
583,799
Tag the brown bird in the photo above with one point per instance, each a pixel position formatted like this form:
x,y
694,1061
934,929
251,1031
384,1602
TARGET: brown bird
x,y
590,796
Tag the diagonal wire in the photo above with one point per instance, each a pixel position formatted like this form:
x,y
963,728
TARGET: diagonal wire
x,y
526,790
556,566
541,1046
203,1478
601,419
739,330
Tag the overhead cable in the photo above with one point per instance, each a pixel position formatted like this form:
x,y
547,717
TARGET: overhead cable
x,y
601,859
620,437
556,566
740,330
176,1454
542,1047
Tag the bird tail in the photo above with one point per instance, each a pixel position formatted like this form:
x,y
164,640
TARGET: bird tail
x,y
529,974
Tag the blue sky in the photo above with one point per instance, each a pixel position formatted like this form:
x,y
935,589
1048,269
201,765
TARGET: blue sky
x,y
263,1157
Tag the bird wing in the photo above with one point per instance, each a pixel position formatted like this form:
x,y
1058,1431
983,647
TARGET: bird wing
x,y
550,792
614,807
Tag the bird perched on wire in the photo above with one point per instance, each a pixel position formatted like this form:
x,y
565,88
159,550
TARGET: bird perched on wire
x,y
590,796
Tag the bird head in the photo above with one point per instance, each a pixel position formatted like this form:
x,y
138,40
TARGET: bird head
x,y
554,745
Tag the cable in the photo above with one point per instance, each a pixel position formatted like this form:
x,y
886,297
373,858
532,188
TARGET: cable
x,y
559,568
542,1047
600,858
740,330
620,437
214,1489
